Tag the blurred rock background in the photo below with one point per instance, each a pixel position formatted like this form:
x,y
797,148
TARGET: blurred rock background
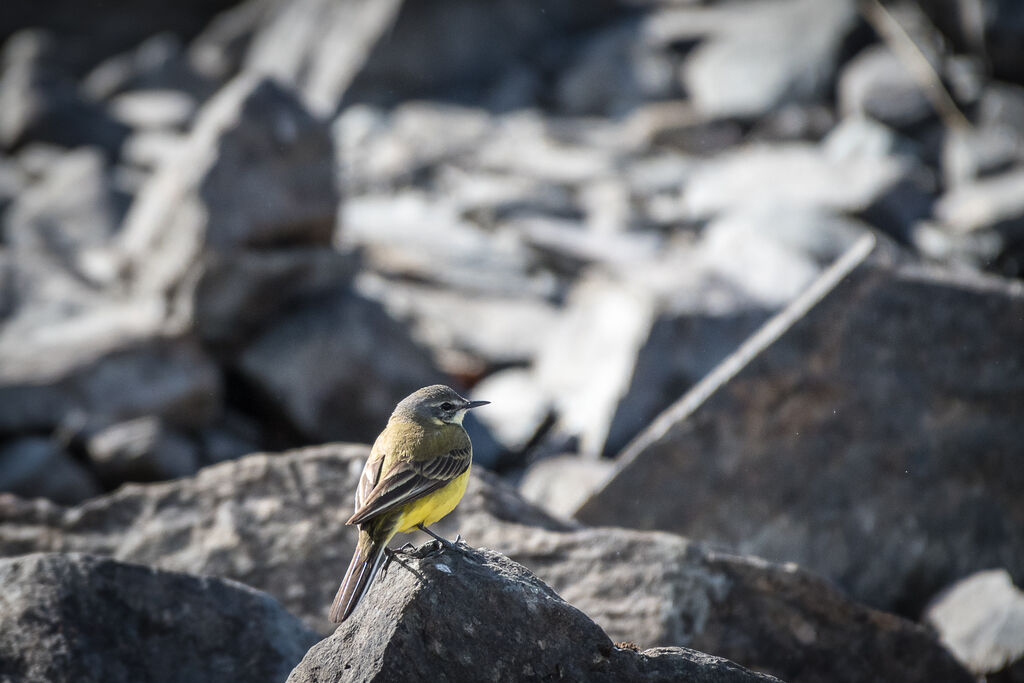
x,y
237,227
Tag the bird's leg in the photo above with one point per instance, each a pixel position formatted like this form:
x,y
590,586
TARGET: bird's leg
x,y
392,556
443,541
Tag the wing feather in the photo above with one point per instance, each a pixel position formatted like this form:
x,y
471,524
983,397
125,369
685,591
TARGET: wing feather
x,y
410,480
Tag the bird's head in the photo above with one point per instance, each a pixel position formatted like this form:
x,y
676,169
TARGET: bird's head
x,y
437,404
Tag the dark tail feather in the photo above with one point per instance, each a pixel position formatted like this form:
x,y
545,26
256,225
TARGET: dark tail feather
x,y
360,573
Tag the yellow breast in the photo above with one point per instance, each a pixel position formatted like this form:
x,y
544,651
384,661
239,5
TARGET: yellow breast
x,y
433,506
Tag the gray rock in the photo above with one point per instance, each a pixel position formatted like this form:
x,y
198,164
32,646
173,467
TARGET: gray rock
x,y
336,366
878,84
196,224
71,208
273,521
870,371
794,173
562,483
381,149
618,69
276,521
238,292
615,361
981,620
81,618
36,467
758,56
859,136
12,181
252,140
520,411
318,46
656,589
992,29
153,108
994,204
40,102
467,334
158,63
818,235
994,143
491,38
471,614
143,449
888,191
424,238
108,363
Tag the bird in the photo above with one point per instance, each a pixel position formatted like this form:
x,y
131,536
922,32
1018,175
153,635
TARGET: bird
x,y
416,474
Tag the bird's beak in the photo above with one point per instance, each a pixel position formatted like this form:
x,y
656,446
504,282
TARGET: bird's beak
x,y
476,404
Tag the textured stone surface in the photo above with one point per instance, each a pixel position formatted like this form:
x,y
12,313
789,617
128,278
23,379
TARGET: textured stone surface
x,y
475,614
336,366
657,589
253,182
72,617
867,433
273,521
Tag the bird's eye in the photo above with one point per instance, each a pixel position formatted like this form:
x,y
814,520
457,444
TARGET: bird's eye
x,y
446,406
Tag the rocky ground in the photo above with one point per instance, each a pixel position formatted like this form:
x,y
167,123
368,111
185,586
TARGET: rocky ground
x,y
741,279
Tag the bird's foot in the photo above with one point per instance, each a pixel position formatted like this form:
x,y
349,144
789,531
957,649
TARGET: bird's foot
x,y
441,541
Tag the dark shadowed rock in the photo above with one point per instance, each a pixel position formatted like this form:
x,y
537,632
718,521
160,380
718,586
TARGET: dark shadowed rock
x,y
475,614
657,589
39,101
858,433
143,449
251,196
336,367
981,620
81,618
992,29
108,364
34,466
878,84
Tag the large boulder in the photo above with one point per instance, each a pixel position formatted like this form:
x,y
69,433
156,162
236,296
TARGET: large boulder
x,y
72,617
859,433
467,614
238,224
336,366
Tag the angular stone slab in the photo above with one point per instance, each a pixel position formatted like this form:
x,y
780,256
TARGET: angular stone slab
x,y
871,432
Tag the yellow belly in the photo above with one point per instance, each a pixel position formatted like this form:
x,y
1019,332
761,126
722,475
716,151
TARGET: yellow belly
x,y
433,506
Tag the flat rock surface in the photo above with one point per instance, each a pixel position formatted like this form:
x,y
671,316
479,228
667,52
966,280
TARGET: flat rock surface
x,y
859,434
73,617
